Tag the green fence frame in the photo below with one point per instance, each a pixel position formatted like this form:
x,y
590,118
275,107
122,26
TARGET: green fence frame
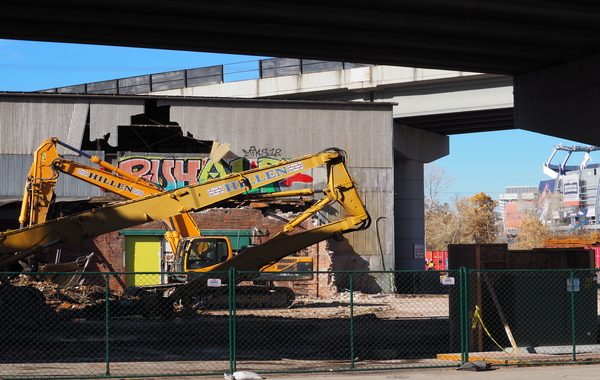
x,y
465,328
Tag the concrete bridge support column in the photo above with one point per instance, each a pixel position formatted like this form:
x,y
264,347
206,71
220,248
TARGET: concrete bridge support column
x,y
412,149
561,100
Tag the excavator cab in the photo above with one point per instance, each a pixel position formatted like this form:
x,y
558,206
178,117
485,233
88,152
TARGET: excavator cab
x,y
201,254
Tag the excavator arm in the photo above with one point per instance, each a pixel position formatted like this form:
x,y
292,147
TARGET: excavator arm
x,y
340,189
48,163
17,244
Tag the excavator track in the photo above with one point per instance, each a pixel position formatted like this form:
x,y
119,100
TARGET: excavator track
x,y
246,296
250,297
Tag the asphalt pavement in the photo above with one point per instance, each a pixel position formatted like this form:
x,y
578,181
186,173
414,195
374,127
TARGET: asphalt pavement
x,y
570,372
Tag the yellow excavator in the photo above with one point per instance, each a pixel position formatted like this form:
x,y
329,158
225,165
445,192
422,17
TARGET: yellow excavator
x,y
201,253
48,163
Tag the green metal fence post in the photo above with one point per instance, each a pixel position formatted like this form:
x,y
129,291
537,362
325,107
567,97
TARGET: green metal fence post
x,y
106,322
463,283
573,338
351,321
461,307
232,328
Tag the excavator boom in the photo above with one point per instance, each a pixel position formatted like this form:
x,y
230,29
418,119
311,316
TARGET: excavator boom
x,y
16,244
48,163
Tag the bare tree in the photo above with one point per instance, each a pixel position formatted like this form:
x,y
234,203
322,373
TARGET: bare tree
x,y
438,215
436,182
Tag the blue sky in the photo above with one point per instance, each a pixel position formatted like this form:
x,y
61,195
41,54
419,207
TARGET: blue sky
x,y
490,161
485,162
31,66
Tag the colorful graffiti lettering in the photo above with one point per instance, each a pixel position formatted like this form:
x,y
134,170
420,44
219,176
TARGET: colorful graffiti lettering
x,y
172,173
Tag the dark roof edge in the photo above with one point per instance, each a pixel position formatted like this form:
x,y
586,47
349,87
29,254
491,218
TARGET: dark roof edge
x,y
388,105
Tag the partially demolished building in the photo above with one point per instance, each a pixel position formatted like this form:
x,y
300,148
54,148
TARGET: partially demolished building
x,y
167,140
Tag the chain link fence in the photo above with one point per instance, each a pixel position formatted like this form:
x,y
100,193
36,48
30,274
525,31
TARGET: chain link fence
x,y
142,324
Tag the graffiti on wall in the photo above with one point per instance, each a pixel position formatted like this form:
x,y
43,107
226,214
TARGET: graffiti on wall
x,y
254,152
174,172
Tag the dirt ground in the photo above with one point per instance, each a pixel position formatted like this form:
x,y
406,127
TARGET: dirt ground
x,y
382,306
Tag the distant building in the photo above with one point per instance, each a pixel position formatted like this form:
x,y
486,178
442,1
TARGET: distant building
x,y
514,203
576,187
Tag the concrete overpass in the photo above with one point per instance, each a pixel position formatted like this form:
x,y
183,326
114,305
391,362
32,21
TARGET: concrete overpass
x,y
440,101
417,92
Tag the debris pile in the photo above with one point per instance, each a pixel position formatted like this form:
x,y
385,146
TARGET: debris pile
x,y
57,298
40,298
23,307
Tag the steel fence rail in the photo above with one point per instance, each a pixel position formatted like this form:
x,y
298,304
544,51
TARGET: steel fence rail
x,y
119,325
203,76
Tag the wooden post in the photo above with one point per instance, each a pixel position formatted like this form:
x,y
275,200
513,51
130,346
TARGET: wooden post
x,y
507,329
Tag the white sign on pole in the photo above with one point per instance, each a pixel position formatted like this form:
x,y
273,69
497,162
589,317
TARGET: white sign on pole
x,y
573,286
